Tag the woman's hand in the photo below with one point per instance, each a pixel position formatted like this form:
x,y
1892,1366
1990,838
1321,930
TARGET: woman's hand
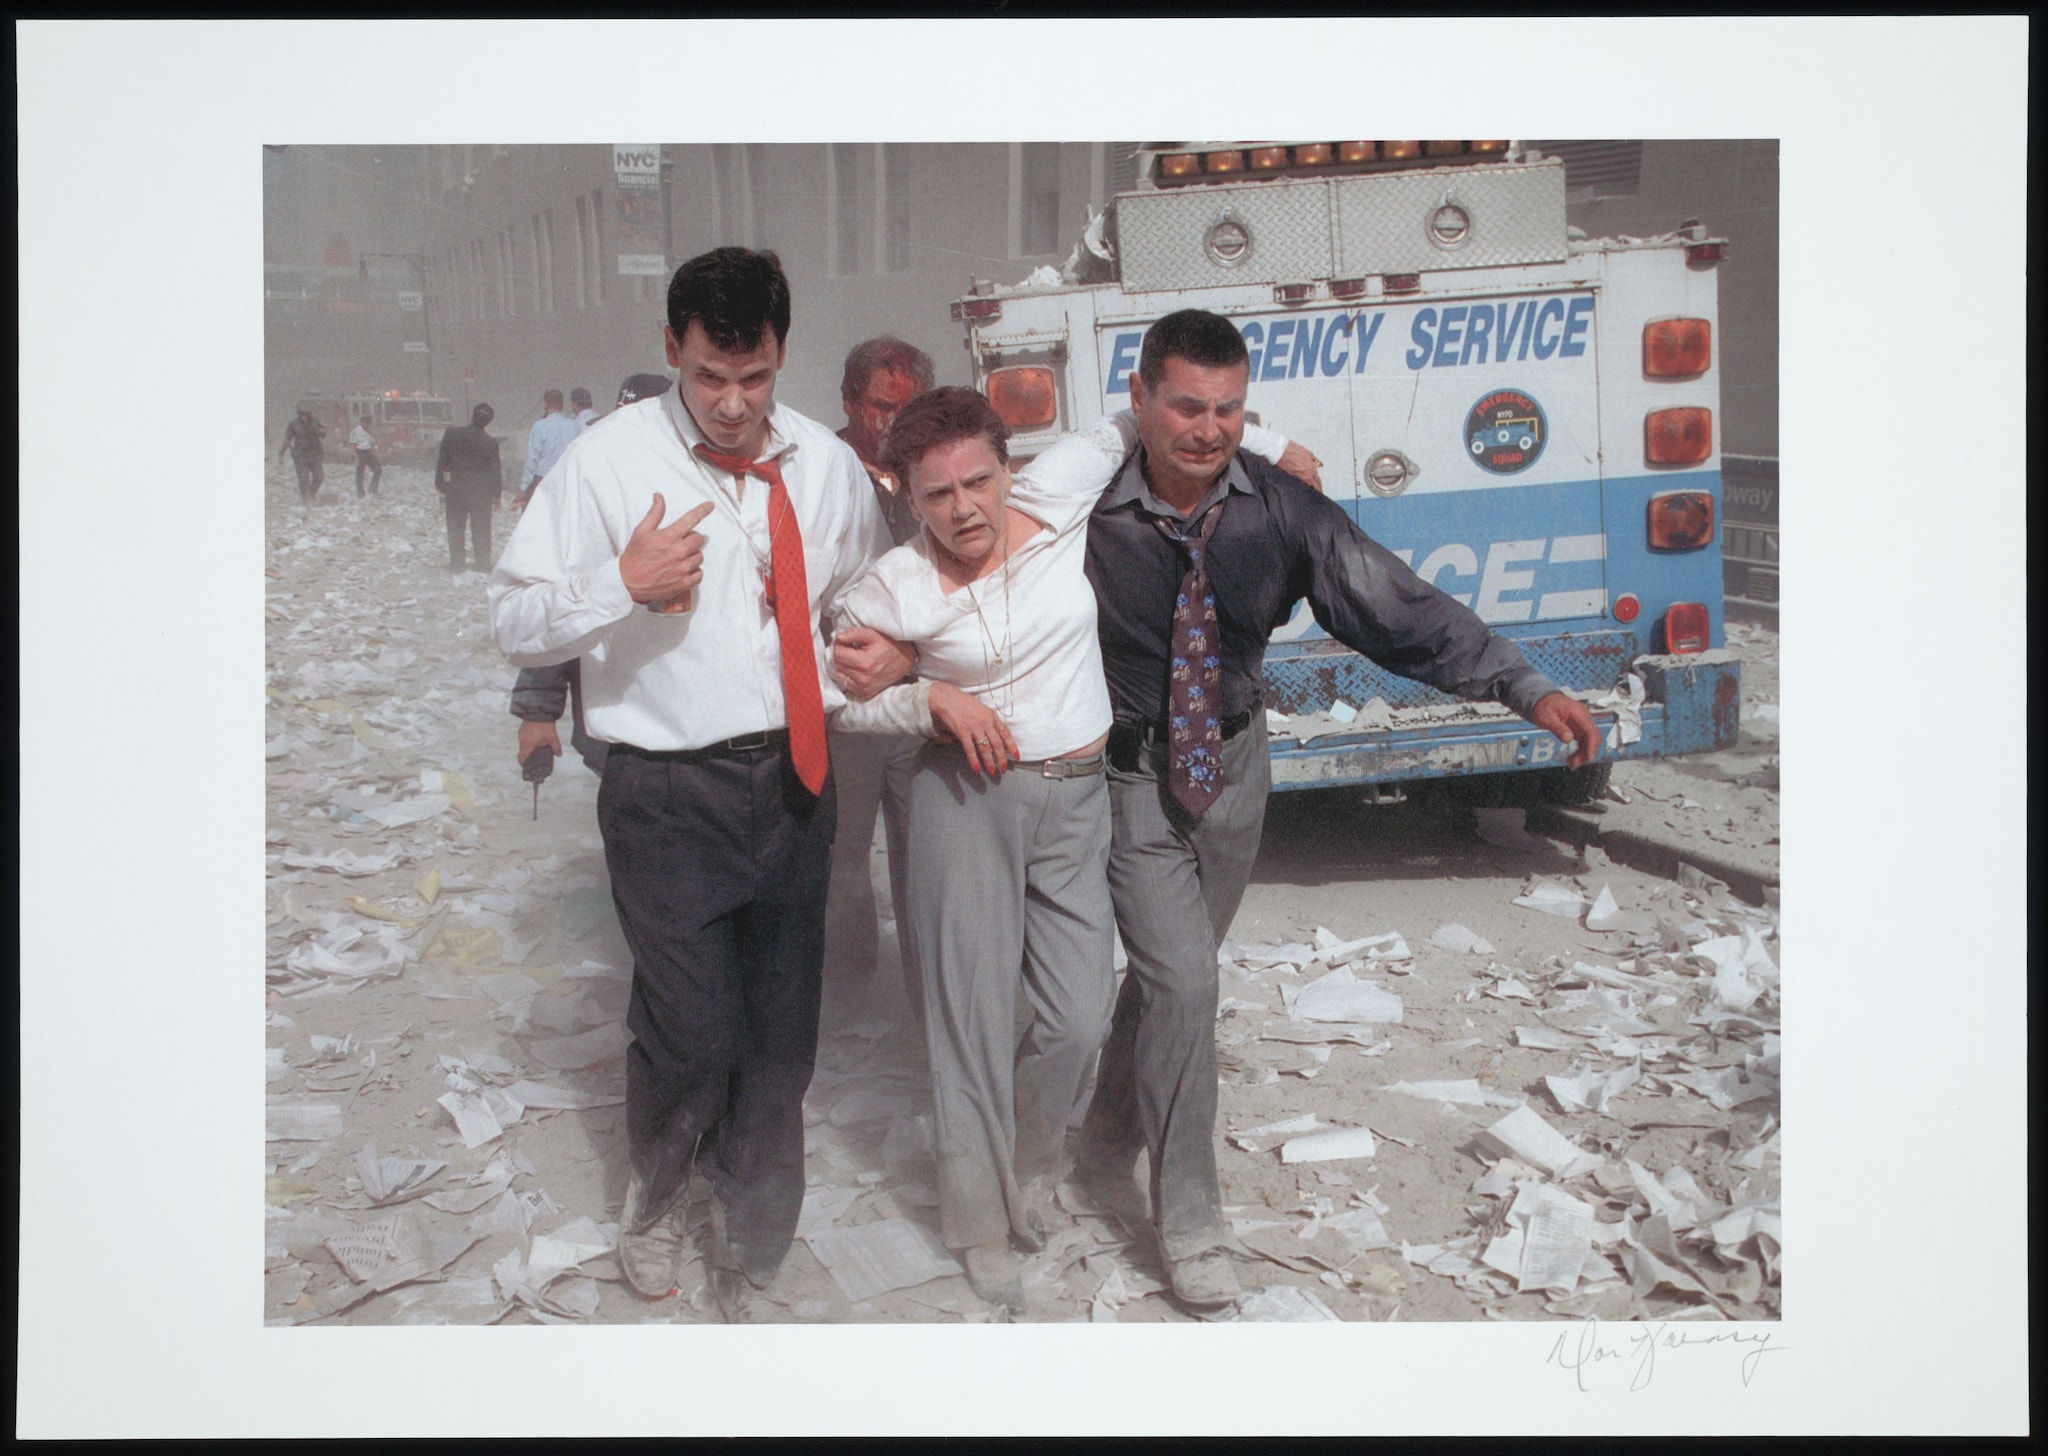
x,y
980,731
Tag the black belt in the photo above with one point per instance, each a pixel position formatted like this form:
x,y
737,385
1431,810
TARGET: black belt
x,y
745,743
1155,732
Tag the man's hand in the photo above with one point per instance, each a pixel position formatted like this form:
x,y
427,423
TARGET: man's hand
x,y
536,735
659,561
979,730
864,662
1567,720
1299,463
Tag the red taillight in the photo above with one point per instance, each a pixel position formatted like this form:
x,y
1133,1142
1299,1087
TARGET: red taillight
x,y
1025,398
1681,520
1627,607
1677,348
1704,255
1402,283
1293,293
1678,436
1347,288
977,308
1685,628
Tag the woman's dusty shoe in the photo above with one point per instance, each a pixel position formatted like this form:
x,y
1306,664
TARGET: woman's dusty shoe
x,y
993,1273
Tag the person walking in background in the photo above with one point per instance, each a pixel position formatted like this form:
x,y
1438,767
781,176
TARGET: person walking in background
x,y
880,376
545,442
365,446
470,478
582,408
302,437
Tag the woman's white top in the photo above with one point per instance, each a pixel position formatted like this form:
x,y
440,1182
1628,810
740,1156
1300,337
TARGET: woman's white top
x,y
1021,639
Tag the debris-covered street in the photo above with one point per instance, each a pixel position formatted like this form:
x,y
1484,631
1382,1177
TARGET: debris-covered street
x,y
1469,1070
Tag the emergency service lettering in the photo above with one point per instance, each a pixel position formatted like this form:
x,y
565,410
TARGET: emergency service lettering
x,y
1288,348
1479,333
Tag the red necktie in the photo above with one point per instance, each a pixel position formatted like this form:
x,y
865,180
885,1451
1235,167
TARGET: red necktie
x,y
790,595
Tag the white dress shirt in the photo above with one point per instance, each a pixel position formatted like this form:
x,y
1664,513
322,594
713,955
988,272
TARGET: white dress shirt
x,y
1022,639
360,438
714,672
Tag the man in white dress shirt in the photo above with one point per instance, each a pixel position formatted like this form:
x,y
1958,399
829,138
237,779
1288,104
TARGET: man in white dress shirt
x,y
716,808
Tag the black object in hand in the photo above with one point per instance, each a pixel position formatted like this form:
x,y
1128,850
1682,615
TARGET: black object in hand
x,y
539,764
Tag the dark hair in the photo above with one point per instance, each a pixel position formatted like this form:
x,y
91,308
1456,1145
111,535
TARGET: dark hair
x,y
1193,334
579,395
482,415
552,399
939,417
737,294
886,353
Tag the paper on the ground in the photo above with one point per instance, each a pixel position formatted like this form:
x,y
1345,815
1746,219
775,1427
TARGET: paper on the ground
x,y
468,1200
1605,910
1360,1228
1554,899
354,866
874,1258
585,1049
1588,1091
1323,1147
1385,946
482,1116
1542,1038
1323,1033
387,1179
301,1121
1557,1233
572,1243
1466,1090
572,1099
1281,1304
1457,938
824,1207
1527,1136
1341,996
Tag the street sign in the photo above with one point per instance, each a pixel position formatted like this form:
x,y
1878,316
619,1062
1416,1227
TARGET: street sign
x,y
414,346
637,164
411,302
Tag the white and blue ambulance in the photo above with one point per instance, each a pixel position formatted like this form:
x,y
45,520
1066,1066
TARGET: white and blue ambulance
x,y
1524,415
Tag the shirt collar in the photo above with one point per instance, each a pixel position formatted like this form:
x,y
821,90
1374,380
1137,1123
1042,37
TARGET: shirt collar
x,y
778,442
1131,485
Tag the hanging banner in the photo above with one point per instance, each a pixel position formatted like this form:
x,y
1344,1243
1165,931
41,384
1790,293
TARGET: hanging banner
x,y
642,248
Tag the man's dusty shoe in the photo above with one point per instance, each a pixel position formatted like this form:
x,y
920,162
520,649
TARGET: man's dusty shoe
x,y
993,1274
650,1245
738,1298
1205,1281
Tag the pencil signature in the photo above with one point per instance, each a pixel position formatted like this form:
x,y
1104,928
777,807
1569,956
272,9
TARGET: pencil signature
x,y
1591,1348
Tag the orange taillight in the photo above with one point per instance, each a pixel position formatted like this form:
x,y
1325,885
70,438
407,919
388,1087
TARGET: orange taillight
x,y
1349,152
1444,149
1315,154
1678,436
1677,348
1681,520
1179,164
1400,151
1686,627
1025,398
1268,159
1223,161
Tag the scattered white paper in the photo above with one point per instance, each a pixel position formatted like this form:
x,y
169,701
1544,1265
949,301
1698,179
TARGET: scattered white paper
x,y
1554,899
1324,1147
1456,937
1465,1090
1605,910
1527,1136
1281,1304
302,1121
1341,996
874,1258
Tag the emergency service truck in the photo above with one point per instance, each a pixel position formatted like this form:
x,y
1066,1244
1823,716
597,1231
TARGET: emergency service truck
x,y
1524,415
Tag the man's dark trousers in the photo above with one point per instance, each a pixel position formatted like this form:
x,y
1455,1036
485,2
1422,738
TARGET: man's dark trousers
x,y
719,862
473,510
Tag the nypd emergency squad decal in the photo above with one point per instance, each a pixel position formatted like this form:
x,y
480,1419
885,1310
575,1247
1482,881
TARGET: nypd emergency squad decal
x,y
1505,432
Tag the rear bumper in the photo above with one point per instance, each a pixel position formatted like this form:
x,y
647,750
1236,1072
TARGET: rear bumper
x,y
1692,705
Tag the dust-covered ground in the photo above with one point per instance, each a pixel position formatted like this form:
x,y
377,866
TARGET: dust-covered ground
x,y
1437,1103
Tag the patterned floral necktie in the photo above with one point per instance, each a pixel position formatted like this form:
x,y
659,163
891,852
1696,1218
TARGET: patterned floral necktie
x,y
789,594
1194,725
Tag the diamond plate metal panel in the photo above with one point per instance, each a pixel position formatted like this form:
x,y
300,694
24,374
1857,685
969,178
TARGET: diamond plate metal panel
x,y
1160,235
1382,222
1304,680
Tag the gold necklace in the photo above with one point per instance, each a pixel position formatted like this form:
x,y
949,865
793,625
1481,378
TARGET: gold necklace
x,y
993,657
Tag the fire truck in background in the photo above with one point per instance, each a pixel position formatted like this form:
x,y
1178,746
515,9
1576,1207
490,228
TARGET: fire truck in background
x,y
1524,415
408,426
